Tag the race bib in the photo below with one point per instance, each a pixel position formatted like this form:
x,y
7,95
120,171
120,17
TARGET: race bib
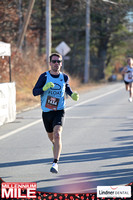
x,y
52,103
128,77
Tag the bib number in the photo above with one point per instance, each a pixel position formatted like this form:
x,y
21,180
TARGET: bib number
x,y
130,76
52,103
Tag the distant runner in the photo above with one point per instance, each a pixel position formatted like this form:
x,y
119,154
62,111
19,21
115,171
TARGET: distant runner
x,y
127,73
52,86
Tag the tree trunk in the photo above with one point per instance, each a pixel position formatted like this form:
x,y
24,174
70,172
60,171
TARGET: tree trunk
x,y
102,55
42,27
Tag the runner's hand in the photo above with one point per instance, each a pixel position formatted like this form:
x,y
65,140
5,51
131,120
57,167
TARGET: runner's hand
x,y
75,96
47,86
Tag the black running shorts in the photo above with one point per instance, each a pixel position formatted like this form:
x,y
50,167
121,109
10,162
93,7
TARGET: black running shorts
x,y
53,118
126,82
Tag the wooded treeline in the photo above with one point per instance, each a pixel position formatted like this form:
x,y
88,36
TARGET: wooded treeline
x,y
111,41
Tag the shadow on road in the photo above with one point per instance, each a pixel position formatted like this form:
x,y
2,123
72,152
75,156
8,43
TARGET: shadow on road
x,y
88,181
84,156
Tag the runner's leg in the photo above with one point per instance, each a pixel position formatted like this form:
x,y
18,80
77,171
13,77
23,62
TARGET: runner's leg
x,y
57,141
51,137
131,89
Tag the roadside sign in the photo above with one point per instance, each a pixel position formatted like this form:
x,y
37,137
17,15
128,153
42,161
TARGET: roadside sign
x,y
5,49
63,48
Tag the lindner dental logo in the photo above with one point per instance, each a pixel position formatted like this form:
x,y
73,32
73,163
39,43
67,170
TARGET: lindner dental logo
x,y
113,191
18,190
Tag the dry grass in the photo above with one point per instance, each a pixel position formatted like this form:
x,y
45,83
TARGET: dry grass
x,y
26,100
26,69
25,84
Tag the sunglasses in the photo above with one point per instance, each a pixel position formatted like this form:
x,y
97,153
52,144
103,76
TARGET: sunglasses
x,y
54,61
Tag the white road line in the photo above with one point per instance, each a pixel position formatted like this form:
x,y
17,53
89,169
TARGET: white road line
x,y
69,108
95,98
20,129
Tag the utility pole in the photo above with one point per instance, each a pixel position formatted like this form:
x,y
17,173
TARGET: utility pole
x,y
20,17
26,22
87,44
87,40
48,31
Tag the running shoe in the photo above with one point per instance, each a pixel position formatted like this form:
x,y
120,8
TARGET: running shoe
x,y
130,99
54,168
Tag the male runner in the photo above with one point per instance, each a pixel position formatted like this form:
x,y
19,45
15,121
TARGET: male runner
x,y
127,73
52,86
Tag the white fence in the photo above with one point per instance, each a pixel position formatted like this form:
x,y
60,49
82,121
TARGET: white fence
x,y
7,102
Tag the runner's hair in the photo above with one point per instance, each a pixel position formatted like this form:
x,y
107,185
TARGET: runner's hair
x,y
55,54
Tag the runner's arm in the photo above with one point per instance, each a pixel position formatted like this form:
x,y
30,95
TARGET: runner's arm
x,y
68,89
37,90
124,70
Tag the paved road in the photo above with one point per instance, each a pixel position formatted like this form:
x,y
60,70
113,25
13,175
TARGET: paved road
x,y
97,144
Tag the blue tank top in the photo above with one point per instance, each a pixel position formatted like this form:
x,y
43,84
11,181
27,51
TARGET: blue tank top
x,y
53,98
